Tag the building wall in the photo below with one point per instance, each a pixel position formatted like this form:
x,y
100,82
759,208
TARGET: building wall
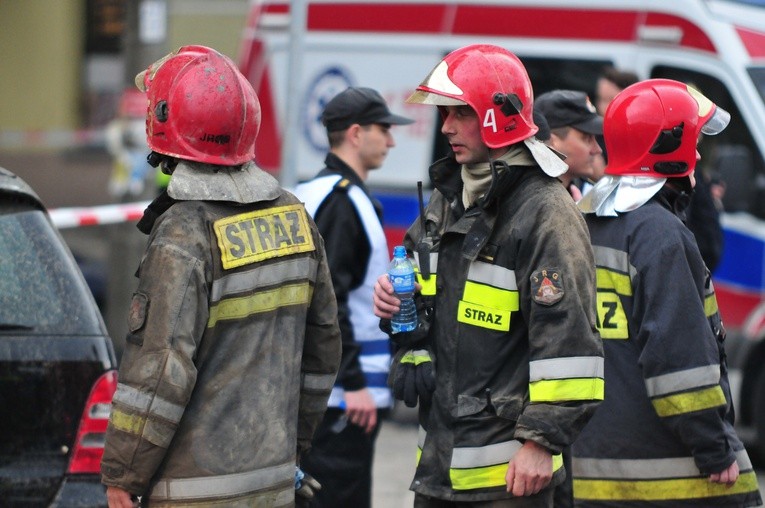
x,y
216,24
45,82
42,44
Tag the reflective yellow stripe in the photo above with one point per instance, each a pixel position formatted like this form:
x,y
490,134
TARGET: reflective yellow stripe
x,y
610,280
488,476
710,305
264,301
660,490
611,319
485,317
428,286
561,390
688,402
263,234
126,422
416,357
500,299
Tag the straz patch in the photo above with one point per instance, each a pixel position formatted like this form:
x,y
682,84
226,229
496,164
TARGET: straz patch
x,y
263,234
484,317
546,287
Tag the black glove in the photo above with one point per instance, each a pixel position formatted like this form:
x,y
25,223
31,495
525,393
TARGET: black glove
x,y
413,376
417,337
306,487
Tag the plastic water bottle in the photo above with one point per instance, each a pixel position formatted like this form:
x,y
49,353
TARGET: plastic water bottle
x,y
401,275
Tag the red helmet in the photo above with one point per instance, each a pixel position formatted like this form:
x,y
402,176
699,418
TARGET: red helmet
x,y
201,108
651,128
493,82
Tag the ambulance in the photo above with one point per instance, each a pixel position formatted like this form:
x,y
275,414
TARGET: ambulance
x,y
718,46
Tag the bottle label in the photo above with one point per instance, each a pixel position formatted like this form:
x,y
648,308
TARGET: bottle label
x,y
403,283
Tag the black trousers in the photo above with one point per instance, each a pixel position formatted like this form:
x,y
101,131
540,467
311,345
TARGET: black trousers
x,y
341,459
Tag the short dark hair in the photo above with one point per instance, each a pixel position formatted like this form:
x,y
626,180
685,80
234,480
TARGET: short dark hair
x,y
619,77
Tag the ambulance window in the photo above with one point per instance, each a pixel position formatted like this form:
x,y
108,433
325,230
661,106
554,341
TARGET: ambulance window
x,y
732,156
758,77
559,73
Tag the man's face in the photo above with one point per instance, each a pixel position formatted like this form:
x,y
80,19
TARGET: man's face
x,y
580,150
604,94
375,141
463,131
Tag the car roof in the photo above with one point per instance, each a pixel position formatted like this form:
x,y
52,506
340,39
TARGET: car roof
x,y
10,183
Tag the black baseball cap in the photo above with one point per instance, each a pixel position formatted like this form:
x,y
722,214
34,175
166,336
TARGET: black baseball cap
x,y
360,105
569,108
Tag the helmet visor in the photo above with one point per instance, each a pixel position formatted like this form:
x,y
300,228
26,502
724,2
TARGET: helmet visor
x,y
719,119
717,123
437,89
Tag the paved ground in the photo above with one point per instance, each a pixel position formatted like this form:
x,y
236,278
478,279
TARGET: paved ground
x,y
394,462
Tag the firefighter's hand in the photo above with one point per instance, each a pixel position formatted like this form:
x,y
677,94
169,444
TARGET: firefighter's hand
x,y
530,470
361,409
413,376
385,302
119,498
306,487
728,476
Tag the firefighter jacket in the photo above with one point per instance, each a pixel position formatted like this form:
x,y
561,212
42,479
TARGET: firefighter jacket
x,y
517,355
348,218
232,350
667,419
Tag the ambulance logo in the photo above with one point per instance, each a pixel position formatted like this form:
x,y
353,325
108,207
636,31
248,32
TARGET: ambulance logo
x,y
330,82
546,287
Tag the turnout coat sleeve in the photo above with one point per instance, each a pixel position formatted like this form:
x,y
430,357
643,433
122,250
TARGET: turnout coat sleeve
x,y
565,350
168,316
681,359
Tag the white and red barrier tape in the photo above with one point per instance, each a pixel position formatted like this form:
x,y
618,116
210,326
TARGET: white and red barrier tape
x,y
97,215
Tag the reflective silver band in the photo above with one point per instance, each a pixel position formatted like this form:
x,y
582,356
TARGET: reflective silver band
x,y
492,275
613,259
564,368
317,381
481,456
147,402
276,273
224,485
644,469
683,380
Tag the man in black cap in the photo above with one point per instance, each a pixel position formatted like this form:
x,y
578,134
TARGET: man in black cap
x,y
349,218
574,125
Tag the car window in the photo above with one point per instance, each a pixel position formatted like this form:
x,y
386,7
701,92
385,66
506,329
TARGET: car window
x,y
41,291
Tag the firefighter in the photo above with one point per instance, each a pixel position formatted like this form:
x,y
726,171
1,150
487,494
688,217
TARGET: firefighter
x,y
664,435
507,298
233,340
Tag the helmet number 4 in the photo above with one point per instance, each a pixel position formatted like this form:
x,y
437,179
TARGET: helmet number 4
x,y
489,120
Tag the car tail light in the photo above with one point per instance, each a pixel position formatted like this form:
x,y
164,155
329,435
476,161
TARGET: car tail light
x,y
89,445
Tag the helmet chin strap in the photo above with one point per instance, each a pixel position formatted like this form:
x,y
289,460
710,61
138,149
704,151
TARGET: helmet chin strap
x,y
682,184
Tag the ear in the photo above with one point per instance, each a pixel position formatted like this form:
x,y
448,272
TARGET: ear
x,y
353,134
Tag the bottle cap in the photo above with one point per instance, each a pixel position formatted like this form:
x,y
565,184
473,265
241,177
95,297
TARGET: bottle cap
x,y
399,251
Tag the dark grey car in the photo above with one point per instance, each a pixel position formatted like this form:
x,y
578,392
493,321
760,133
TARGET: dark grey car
x,y
57,364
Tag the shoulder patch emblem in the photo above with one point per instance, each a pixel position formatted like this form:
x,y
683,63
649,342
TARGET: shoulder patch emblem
x,y
137,315
546,287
